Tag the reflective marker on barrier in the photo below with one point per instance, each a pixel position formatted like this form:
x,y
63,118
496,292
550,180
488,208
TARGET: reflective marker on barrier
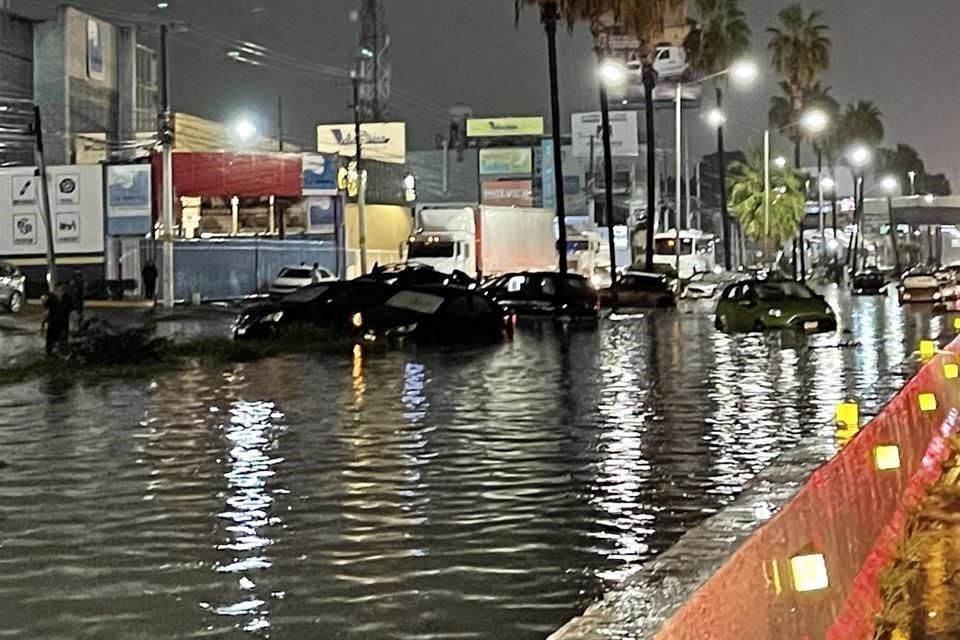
x,y
928,349
956,323
809,572
886,457
951,371
928,402
848,416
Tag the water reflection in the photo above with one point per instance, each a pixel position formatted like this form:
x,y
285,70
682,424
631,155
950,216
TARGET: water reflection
x,y
432,494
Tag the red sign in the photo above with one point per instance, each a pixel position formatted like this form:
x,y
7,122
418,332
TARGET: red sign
x,y
508,193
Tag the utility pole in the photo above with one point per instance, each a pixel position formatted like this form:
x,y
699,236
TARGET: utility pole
x,y
280,123
361,174
166,140
374,70
44,193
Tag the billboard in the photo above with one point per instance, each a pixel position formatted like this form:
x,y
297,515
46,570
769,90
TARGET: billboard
x,y
320,175
624,135
129,198
383,141
507,193
518,161
500,127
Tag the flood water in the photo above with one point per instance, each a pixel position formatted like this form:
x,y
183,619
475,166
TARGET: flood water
x,y
420,494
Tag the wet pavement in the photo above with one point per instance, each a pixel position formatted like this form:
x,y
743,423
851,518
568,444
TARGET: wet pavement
x,y
418,493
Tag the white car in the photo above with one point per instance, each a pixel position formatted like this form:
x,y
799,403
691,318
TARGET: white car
x,y
670,62
703,286
292,278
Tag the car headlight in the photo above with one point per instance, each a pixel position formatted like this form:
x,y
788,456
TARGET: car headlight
x,y
596,280
357,320
775,313
273,317
906,296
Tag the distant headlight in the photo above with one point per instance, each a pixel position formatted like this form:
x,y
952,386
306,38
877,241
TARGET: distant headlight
x,y
775,313
596,280
907,296
357,320
273,317
936,296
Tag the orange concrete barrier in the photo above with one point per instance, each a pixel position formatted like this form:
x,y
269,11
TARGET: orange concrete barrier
x,y
811,571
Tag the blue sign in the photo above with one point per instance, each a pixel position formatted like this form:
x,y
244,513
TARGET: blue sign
x,y
320,175
129,199
323,214
548,174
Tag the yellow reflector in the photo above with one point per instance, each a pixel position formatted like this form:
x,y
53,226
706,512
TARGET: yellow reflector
x,y
848,415
844,436
928,402
951,371
887,457
928,349
809,572
956,323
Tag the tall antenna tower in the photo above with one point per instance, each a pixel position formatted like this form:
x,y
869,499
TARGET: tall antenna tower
x,y
374,67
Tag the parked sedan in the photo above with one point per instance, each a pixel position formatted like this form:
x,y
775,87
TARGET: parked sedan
x,y
759,305
919,287
292,278
435,314
12,287
412,274
869,282
329,305
639,291
546,294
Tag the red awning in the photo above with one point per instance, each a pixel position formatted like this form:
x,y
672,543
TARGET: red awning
x,y
223,175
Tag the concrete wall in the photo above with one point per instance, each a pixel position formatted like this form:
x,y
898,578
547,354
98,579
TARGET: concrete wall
x,y
50,87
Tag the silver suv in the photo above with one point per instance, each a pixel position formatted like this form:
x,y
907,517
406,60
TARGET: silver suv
x,y
12,284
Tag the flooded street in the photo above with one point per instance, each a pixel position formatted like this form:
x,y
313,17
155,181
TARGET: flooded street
x,y
430,494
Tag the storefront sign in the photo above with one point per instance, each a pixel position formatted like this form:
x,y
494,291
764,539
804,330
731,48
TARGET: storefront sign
x,y
548,174
128,199
25,229
320,175
506,162
501,127
68,227
508,193
383,141
624,136
322,214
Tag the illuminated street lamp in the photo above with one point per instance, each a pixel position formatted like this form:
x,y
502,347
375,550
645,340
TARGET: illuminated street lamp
x,y
612,74
859,156
715,118
829,184
244,130
780,161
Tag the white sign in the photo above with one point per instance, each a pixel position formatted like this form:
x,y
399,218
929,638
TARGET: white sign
x,y
383,141
68,189
68,227
24,190
25,229
624,135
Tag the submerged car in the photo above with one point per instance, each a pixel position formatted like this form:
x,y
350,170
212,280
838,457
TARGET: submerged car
x,y
703,286
12,287
918,287
292,278
328,305
868,282
639,291
546,294
412,274
760,305
437,314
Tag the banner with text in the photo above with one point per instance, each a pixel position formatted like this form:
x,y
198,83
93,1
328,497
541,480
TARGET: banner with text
x,y
624,134
507,193
383,141
501,127
506,162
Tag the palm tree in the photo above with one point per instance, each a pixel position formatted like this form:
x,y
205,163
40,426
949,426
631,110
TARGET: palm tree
x,y
718,36
643,19
861,123
800,53
786,203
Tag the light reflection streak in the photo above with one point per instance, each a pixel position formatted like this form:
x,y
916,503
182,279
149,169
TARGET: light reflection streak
x,y
249,505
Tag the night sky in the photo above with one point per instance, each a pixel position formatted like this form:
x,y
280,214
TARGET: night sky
x,y
901,54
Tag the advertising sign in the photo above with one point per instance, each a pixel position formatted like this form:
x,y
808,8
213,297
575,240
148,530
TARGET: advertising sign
x,y
500,127
383,141
24,189
68,189
507,193
94,50
624,136
129,192
320,175
67,227
322,214
506,162
548,174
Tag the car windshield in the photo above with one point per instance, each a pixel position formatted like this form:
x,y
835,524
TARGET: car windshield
x,y
307,294
770,291
430,250
668,246
920,281
298,273
417,301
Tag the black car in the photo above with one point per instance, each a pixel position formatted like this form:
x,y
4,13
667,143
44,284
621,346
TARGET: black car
x,y
412,274
869,282
328,305
639,291
546,294
437,314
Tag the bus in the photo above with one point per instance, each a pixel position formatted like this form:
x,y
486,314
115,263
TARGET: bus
x,y
697,252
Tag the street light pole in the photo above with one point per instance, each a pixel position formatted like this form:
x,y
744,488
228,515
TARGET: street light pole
x,y
766,193
678,218
361,177
166,137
